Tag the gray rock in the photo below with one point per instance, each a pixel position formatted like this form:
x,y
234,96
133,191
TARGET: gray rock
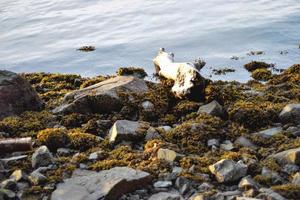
x,y
64,152
291,156
166,128
213,108
162,184
168,155
9,184
290,168
124,130
152,134
205,187
266,193
274,176
228,170
16,95
290,114
198,197
107,184
37,178
41,157
246,198
245,142
148,106
228,195
102,97
98,155
248,183
227,145
183,185
296,179
269,132
213,142
13,158
166,196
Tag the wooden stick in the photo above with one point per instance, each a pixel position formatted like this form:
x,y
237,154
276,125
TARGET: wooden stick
x,y
15,144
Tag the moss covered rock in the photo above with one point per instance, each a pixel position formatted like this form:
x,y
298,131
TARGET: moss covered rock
x,y
53,138
261,74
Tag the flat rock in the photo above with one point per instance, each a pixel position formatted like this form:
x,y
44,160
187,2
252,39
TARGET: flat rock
x,y
107,184
289,156
166,196
16,95
269,132
290,114
228,170
162,184
102,97
213,108
125,130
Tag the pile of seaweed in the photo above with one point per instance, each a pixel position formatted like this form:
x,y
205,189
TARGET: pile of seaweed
x,y
250,107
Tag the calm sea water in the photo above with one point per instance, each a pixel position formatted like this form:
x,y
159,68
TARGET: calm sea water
x,y
43,35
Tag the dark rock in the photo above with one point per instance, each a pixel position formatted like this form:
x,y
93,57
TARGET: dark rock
x,y
41,157
228,170
152,134
107,184
16,95
7,194
213,108
102,97
290,114
272,175
290,168
9,184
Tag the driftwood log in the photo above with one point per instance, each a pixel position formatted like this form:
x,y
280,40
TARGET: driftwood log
x,y
15,144
186,75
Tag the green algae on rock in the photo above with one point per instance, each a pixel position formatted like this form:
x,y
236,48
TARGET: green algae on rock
x,y
261,74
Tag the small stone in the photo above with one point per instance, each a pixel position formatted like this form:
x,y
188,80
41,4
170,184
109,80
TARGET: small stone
x,y
245,142
168,155
198,197
18,175
166,128
213,142
9,184
205,187
228,170
266,193
248,183
152,134
290,114
13,158
230,195
290,168
165,196
246,198
64,152
213,108
274,176
98,155
162,184
296,179
227,145
37,178
42,157
7,194
269,132
148,106
182,184
291,156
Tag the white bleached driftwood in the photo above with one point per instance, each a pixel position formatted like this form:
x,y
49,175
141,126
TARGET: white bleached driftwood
x,y
186,75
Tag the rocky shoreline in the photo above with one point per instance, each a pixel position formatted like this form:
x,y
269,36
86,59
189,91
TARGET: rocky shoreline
x,y
122,137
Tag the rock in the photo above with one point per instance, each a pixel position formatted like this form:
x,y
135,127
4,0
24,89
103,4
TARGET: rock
x,y
41,157
274,176
205,187
245,142
165,196
64,152
213,142
102,97
9,184
13,159
296,179
166,128
291,156
198,197
125,130
290,114
227,145
152,134
98,155
228,170
269,194
213,108
248,183
107,184
16,95
182,184
230,195
168,155
246,198
37,178
290,168
7,194
162,184
18,175
148,106
269,132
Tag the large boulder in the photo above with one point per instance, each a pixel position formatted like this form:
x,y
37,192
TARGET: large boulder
x,y
16,95
102,97
107,184
290,114
228,170
125,130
